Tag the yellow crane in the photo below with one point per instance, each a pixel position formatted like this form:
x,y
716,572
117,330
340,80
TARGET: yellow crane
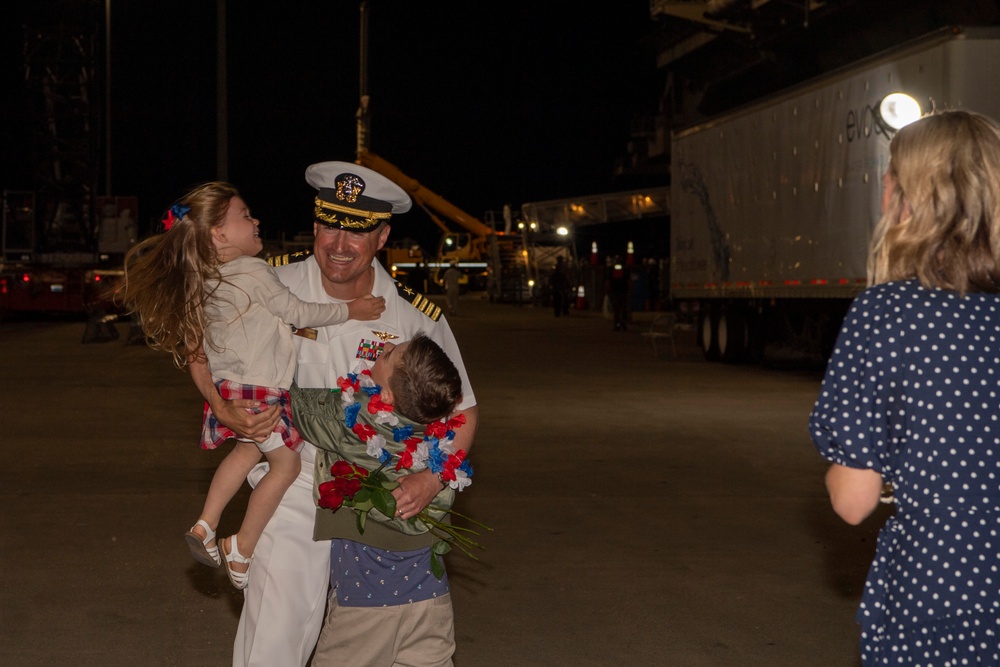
x,y
472,245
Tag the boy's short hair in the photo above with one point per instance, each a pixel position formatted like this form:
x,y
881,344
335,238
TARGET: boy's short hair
x,y
425,383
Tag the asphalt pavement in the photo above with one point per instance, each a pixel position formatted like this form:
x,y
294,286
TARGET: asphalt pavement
x,y
644,511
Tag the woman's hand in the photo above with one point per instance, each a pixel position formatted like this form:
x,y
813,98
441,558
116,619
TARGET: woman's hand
x,y
854,492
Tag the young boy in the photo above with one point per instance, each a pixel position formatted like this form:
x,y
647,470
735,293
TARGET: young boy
x,y
391,413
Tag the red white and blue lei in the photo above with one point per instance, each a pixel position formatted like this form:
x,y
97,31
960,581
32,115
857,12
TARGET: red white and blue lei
x,y
435,449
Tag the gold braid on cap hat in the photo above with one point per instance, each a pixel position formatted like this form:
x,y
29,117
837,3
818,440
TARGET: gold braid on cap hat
x,y
371,218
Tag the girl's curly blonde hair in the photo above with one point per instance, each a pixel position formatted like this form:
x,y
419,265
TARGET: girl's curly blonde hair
x,y
166,275
942,222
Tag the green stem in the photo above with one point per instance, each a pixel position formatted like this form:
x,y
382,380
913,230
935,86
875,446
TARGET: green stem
x,y
449,532
460,515
458,543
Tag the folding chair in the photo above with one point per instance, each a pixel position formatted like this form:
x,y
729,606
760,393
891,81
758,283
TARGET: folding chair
x,y
662,327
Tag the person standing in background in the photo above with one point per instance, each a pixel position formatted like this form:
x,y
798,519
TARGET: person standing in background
x,y
560,287
618,292
452,278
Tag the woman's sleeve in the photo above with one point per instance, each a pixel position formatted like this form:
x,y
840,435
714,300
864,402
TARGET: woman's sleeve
x,y
849,423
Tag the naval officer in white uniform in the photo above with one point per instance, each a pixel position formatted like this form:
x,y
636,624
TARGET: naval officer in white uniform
x,y
286,598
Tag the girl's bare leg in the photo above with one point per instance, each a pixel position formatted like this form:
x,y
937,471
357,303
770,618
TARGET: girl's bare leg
x,y
284,466
228,479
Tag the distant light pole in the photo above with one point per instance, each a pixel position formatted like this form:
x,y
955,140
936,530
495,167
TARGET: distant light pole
x,y
221,95
361,117
107,98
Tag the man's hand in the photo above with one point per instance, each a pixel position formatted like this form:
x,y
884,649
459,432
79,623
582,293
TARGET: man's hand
x,y
415,492
233,414
255,426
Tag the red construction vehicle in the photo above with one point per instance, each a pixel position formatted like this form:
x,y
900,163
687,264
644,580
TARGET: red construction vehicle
x,y
73,273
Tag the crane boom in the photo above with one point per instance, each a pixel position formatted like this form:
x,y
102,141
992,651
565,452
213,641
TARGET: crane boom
x,y
424,196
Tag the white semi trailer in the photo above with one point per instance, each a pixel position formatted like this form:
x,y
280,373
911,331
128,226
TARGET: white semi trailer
x,y
773,204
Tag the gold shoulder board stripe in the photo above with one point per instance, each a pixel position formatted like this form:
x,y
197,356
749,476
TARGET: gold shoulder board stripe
x,y
289,257
419,301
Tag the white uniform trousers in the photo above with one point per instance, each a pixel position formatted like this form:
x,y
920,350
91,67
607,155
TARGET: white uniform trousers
x,y
292,573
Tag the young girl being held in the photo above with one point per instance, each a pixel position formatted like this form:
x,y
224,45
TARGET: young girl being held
x,y
201,292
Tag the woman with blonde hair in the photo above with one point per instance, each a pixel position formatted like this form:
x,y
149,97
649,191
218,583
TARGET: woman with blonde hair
x,y
911,398
201,292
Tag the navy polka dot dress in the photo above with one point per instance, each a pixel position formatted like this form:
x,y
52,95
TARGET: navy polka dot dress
x,y
912,390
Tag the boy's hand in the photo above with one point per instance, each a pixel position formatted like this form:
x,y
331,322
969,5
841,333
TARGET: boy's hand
x,y
366,308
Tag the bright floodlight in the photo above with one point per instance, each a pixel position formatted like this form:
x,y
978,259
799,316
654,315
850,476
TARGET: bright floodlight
x,y
562,231
899,110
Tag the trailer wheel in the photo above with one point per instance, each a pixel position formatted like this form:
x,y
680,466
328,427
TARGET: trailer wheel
x,y
707,338
730,335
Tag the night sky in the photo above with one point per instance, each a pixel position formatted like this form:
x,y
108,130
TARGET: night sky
x,y
484,103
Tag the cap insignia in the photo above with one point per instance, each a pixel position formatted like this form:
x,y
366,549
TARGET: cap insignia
x,y
349,188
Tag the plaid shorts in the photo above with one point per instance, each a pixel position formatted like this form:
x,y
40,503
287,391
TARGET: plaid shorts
x,y
214,434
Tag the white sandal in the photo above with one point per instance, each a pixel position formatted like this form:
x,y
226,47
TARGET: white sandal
x,y
238,579
200,551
